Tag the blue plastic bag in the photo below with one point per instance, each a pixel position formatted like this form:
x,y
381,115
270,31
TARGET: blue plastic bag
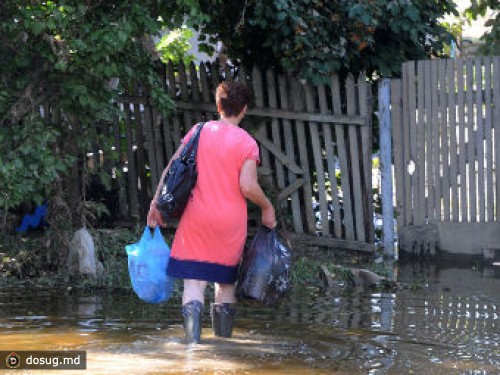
x,y
147,267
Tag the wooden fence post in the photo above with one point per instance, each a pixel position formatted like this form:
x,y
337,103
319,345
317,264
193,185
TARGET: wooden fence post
x,y
384,115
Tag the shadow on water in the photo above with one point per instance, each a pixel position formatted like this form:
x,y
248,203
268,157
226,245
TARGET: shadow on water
x,y
441,320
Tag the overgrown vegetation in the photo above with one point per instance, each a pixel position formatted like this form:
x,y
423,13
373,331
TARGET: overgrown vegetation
x,y
77,57
312,38
30,163
24,259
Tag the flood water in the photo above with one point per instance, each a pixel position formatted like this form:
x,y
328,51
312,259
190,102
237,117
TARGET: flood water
x,y
441,320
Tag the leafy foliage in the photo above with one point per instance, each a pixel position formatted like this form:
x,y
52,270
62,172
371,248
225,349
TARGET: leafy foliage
x,y
29,162
77,57
74,49
174,46
314,37
491,38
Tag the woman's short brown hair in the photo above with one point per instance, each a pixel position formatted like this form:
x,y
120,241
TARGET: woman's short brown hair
x,y
232,97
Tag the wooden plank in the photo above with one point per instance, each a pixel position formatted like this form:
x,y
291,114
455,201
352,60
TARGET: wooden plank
x,y
122,157
214,74
397,142
290,151
131,166
452,108
340,137
170,77
242,75
429,141
175,132
412,124
420,146
205,91
261,133
317,150
408,209
298,103
141,165
496,122
386,157
275,128
280,155
167,139
443,126
471,149
150,146
228,74
156,121
195,91
290,189
462,145
354,147
304,240
365,110
489,167
479,139
281,114
436,141
331,161
187,115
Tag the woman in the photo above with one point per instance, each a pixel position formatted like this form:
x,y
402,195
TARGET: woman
x,y
209,240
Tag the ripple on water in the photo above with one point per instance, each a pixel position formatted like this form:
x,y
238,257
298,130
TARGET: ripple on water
x,y
446,327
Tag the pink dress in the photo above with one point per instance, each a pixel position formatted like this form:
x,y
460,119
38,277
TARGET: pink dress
x,y
209,240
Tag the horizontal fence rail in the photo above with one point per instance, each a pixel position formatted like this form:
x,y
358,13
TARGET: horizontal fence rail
x,y
315,145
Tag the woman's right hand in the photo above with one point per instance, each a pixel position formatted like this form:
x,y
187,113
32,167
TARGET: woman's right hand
x,y
269,217
154,216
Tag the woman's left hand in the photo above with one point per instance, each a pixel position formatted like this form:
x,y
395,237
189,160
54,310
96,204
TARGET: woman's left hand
x,y
154,217
269,217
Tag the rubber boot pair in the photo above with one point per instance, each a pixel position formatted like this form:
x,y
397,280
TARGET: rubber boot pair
x,y
222,318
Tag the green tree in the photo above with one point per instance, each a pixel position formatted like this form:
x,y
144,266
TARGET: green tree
x,y
314,37
491,39
29,161
78,56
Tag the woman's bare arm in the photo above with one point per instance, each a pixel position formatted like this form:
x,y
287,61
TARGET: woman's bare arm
x,y
251,189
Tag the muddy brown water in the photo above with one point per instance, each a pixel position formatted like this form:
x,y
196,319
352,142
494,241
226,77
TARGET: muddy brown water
x,y
443,320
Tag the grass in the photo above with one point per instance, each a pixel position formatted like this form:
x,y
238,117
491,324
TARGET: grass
x,y
25,262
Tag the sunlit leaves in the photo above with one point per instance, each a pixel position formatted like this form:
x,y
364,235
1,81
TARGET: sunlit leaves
x,y
174,46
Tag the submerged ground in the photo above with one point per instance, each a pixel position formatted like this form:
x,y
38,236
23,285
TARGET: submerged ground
x,y
442,319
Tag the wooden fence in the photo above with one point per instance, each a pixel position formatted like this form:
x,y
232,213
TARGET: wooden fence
x,y
315,144
446,122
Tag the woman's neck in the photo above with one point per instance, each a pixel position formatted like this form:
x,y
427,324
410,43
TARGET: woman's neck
x,y
230,120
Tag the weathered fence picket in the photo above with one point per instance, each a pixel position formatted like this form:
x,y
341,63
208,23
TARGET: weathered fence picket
x,y
308,136
446,143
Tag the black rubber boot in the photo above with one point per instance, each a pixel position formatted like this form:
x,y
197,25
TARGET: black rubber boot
x,y
222,318
191,312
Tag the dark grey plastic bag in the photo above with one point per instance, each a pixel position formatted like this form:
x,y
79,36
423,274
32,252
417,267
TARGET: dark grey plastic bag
x,y
264,274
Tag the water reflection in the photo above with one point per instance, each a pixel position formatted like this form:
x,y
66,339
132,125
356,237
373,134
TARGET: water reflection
x,y
442,320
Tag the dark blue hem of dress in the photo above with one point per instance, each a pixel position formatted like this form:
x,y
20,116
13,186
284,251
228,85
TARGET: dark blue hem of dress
x,y
191,269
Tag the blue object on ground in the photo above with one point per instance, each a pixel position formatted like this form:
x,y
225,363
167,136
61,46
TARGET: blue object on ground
x,y
35,220
147,266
